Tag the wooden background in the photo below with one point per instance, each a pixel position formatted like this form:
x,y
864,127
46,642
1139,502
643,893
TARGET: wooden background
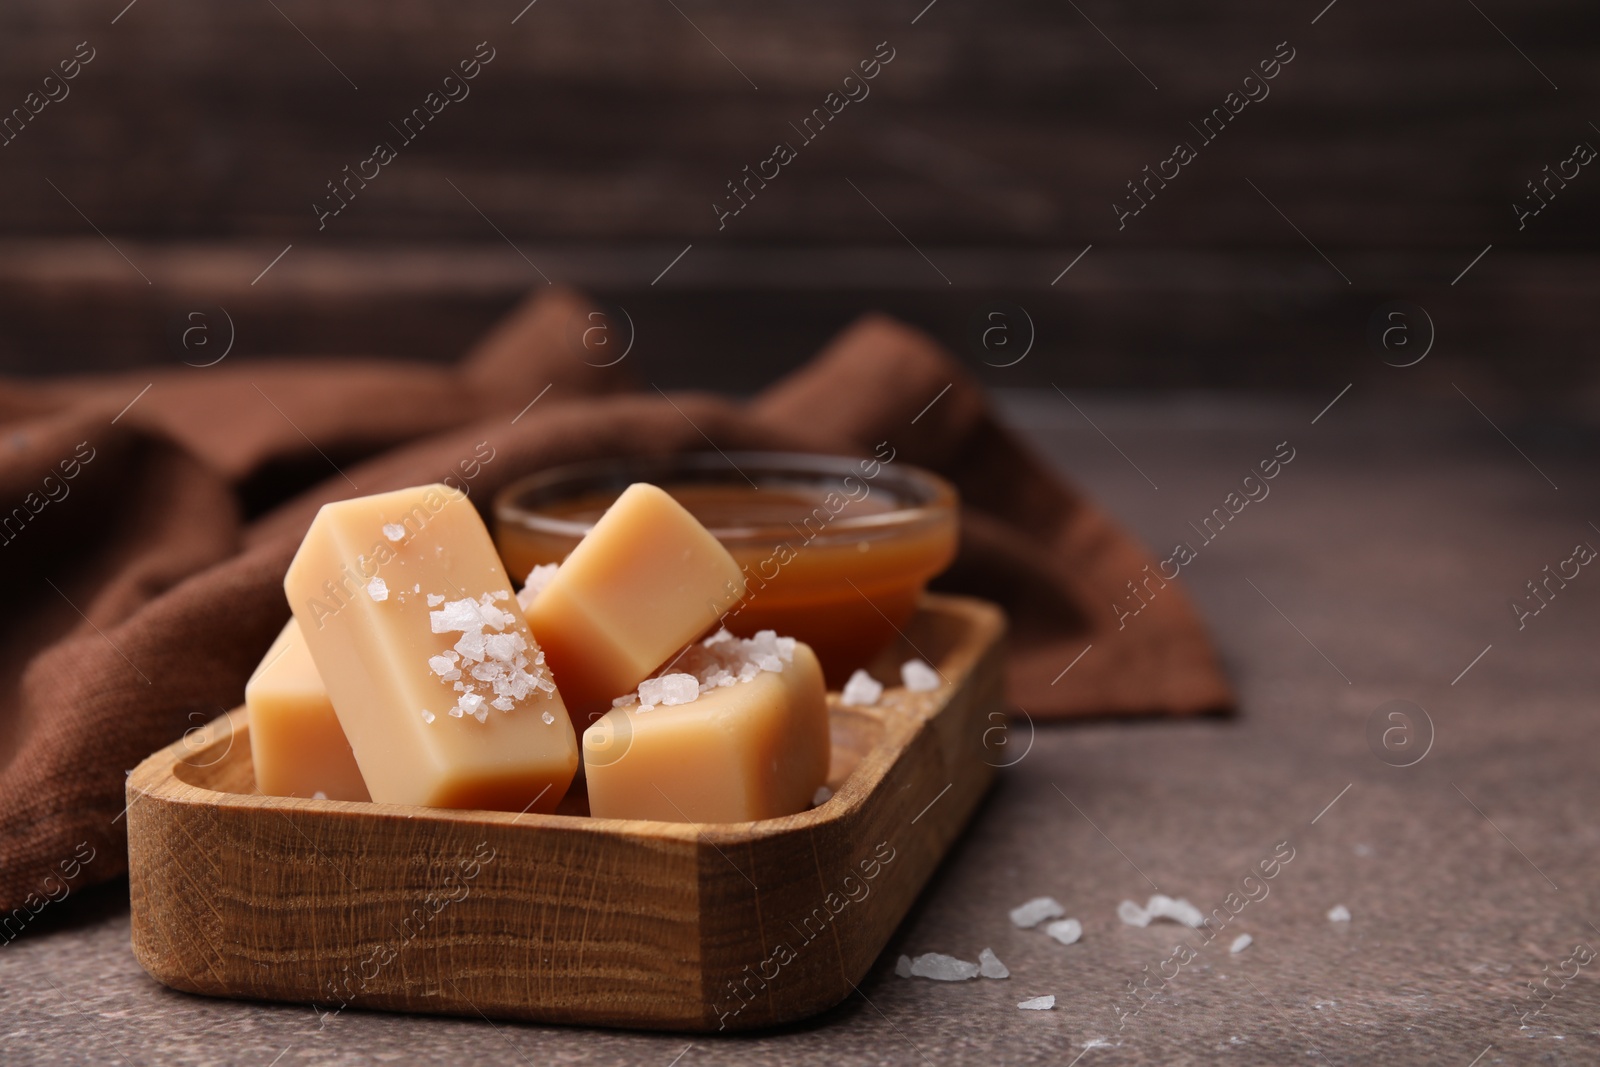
x,y
996,141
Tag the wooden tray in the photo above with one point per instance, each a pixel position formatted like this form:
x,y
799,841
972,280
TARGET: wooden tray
x,y
564,918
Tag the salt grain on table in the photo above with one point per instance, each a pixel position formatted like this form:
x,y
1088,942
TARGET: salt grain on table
x,y
1162,906
902,966
1132,914
1339,914
862,690
942,968
1026,916
989,965
1038,1004
1067,931
917,676
1240,943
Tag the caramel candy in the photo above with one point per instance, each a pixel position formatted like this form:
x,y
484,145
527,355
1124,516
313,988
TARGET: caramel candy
x,y
296,743
740,751
433,674
646,580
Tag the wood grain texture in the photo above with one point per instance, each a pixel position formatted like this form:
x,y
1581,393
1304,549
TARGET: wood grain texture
x,y
563,918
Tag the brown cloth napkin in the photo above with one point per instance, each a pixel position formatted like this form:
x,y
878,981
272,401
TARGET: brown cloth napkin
x,y
145,545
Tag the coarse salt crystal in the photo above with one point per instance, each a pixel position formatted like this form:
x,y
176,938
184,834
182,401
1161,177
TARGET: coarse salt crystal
x,y
1038,1004
427,716
394,531
821,796
434,600
917,676
669,689
458,616
1036,911
942,968
902,966
989,965
1339,914
1132,914
1240,943
378,589
1162,906
535,583
319,795
1066,931
862,690
547,718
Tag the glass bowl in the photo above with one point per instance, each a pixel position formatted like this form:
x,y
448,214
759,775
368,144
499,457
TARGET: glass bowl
x,y
835,551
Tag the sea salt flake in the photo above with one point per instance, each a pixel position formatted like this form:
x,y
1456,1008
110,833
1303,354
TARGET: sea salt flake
x,y
471,646
917,676
1066,931
547,718
444,663
862,690
1026,916
1038,1004
1132,914
1162,906
458,616
434,600
989,965
427,716
394,531
902,966
1240,943
669,689
378,589
535,583
1339,914
942,968
319,795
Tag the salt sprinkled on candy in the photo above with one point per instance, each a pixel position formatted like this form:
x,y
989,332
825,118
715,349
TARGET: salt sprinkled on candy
x,y
989,965
1036,911
902,966
1067,931
917,676
427,716
1339,914
1038,1004
862,690
547,718
1240,943
942,968
669,690
535,583
394,531
1132,914
378,589
434,599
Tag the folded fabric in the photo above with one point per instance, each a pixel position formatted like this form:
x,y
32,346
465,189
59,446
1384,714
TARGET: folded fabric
x,y
146,544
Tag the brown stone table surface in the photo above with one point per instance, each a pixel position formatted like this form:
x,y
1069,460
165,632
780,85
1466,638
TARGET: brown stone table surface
x,y
1380,567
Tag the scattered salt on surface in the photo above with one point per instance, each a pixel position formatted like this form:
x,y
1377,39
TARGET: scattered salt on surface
x,y
1036,911
535,583
862,690
394,531
989,965
942,968
821,796
1067,931
1132,914
1038,1004
378,589
917,676
319,795
1339,914
1162,906
1240,943
902,966
496,662
720,660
